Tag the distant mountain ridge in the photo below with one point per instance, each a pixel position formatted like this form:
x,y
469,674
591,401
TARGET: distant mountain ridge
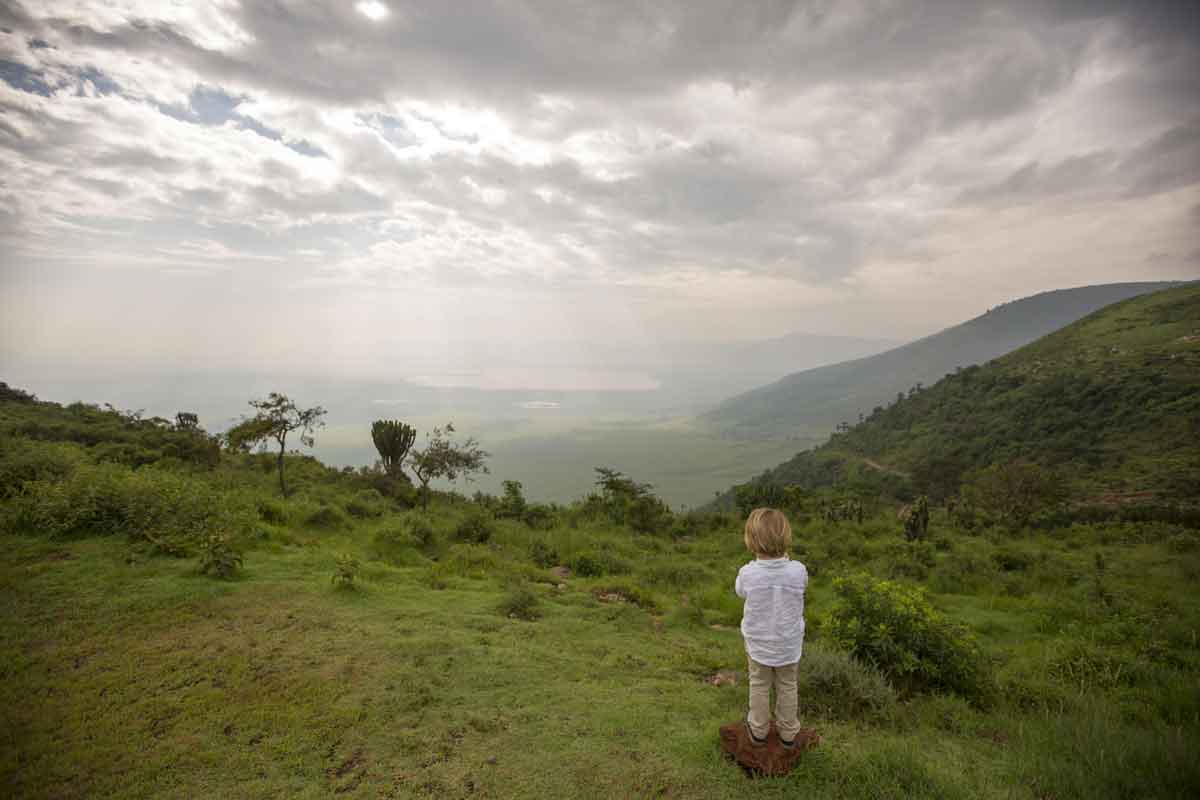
x,y
1112,402
813,402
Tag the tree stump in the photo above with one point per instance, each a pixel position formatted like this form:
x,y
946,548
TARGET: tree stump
x,y
770,758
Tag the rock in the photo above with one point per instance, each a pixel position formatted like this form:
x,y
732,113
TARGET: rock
x,y
560,572
771,758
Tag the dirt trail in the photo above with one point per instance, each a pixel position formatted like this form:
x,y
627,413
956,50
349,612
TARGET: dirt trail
x,y
875,465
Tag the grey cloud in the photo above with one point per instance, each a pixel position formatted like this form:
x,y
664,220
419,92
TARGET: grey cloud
x,y
1168,162
1033,181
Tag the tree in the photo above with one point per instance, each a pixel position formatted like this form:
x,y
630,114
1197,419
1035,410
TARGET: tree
x,y
444,458
275,418
1015,492
393,439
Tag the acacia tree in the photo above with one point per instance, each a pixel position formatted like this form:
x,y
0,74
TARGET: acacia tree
x,y
1016,491
275,418
444,458
393,439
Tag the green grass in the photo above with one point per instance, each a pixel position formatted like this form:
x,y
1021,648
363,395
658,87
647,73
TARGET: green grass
x,y
140,677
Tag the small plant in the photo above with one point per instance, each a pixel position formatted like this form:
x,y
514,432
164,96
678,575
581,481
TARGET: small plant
x,y
520,602
217,557
345,571
916,520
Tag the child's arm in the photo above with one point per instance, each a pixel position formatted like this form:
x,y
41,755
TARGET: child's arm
x,y
737,586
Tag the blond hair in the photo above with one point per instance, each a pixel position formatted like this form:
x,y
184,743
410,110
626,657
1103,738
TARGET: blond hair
x,y
768,533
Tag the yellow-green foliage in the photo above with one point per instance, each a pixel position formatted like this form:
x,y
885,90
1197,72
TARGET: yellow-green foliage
x,y
893,627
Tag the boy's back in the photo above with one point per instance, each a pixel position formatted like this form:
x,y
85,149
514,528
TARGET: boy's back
x,y
773,619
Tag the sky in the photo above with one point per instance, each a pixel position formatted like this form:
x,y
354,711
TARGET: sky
x,y
562,193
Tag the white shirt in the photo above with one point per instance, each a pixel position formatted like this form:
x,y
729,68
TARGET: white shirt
x,y
773,617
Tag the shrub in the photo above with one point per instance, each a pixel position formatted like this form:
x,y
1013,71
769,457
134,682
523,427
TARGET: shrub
x,y
539,516
217,557
476,527
894,628
395,546
272,511
23,461
542,554
365,505
835,686
327,517
593,565
345,570
520,602
171,511
424,533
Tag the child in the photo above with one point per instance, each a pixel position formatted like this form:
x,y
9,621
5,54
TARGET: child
x,y
772,623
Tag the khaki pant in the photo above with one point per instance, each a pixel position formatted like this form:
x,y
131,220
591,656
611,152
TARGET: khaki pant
x,y
783,678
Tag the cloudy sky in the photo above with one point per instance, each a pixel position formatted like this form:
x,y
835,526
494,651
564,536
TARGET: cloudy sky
x,y
386,188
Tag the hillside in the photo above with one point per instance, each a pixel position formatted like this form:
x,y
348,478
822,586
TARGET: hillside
x,y
1111,402
360,647
811,403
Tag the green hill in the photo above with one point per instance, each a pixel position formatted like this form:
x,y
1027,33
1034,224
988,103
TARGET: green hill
x,y
1111,403
811,403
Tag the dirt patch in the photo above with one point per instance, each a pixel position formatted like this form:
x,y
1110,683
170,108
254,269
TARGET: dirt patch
x,y
724,677
347,766
560,572
612,597
769,758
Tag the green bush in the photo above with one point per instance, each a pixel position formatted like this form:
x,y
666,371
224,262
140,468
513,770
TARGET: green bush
x,y
894,628
594,565
365,504
171,511
477,527
272,511
24,461
520,602
835,686
327,517
345,570
422,530
396,546
543,554
538,516
217,556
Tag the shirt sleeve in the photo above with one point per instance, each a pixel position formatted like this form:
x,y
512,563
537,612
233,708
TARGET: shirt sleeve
x,y
738,589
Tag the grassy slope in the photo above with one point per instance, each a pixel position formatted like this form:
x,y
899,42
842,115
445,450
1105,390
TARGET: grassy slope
x,y
140,678
812,402
1113,400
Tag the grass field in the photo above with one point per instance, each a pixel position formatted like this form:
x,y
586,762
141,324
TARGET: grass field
x,y
130,675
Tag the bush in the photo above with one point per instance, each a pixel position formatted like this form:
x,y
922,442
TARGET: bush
x,y
395,546
520,602
422,531
345,570
217,557
538,516
542,554
594,565
835,686
365,505
272,511
172,512
327,518
476,527
23,461
895,629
